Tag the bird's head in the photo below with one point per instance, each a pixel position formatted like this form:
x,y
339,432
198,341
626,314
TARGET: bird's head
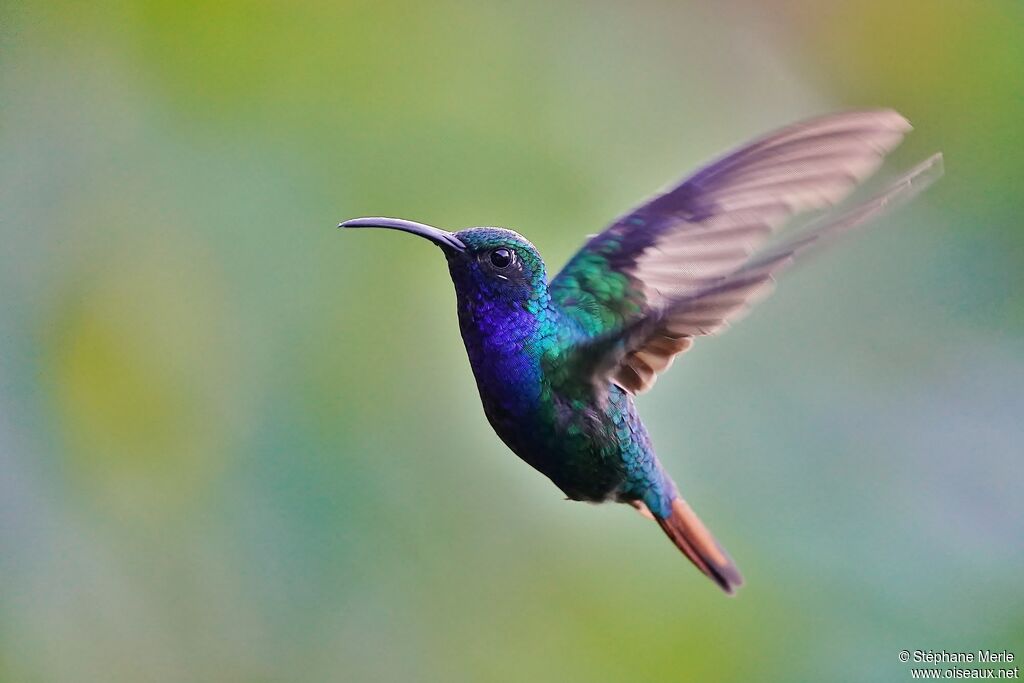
x,y
493,263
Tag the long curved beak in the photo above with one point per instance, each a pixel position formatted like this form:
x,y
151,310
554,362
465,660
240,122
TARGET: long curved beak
x,y
441,238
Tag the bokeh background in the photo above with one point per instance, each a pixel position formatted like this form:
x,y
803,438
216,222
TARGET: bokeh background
x,y
237,445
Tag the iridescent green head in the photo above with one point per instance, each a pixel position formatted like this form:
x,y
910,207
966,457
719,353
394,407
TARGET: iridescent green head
x,y
492,263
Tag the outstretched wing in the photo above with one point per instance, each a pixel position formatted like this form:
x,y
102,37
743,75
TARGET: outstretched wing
x,y
633,357
699,235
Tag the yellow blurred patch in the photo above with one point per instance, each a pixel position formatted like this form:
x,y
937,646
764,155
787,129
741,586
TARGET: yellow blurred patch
x,y
144,375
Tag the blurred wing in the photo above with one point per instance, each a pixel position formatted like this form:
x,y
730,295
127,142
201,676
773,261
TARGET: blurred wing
x,y
633,358
681,242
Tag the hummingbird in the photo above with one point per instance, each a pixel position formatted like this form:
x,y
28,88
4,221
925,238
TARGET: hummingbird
x,y
559,363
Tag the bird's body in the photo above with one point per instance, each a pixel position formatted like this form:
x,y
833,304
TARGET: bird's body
x,y
557,363
592,446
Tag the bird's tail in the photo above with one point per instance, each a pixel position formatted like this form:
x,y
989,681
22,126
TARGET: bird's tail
x,y
693,538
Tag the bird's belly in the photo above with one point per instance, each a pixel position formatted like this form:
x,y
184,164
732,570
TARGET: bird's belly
x,y
575,446
584,445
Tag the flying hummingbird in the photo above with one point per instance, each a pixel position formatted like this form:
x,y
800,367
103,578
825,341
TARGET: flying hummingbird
x,y
558,363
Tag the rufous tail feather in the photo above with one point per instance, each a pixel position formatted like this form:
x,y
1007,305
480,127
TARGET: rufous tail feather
x,y
693,538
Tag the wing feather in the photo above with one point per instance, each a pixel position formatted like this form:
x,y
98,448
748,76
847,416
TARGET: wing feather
x,y
648,347
685,263
710,224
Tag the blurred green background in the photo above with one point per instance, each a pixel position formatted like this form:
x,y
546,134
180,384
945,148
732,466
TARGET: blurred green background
x,y
238,445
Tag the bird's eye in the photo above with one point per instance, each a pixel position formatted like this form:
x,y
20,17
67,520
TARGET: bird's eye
x,y
502,258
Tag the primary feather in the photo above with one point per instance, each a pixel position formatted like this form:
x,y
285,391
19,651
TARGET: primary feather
x,y
680,265
646,348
